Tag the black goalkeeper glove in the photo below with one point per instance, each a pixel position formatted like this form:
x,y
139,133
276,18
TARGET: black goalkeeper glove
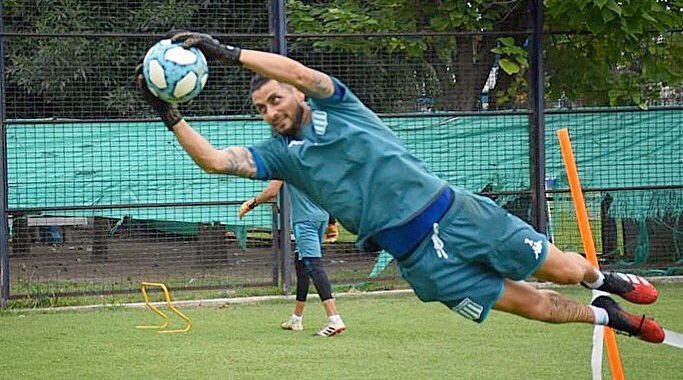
x,y
168,112
210,47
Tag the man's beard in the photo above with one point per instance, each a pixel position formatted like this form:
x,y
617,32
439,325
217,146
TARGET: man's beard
x,y
296,122
298,117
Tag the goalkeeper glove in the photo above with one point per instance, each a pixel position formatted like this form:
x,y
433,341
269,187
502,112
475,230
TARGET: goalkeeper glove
x,y
168,112
246,207
211,47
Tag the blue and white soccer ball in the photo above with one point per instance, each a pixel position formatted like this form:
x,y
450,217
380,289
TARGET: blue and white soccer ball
x,y
173,73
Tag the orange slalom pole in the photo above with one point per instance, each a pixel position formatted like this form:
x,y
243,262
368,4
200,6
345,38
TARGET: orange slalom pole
x,y
587,240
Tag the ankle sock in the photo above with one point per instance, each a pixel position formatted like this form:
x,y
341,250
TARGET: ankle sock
x,y
598,283
600,314
335,318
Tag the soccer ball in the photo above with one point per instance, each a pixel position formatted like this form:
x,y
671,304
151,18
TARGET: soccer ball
x,y
173,73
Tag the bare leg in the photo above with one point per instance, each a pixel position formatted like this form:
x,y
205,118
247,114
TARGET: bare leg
x,y
299,308
522,299
565,268
330,307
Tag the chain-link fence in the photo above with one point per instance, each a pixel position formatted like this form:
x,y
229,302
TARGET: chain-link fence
x,y
100,196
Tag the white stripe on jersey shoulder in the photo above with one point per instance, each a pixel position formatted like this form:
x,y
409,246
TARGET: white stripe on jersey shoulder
x,y
319,119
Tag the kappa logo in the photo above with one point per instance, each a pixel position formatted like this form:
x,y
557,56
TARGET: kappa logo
x,y
536,246
319,119
295,142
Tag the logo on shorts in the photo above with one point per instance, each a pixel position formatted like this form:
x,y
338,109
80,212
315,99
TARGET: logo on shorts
x,y
469,309
536,246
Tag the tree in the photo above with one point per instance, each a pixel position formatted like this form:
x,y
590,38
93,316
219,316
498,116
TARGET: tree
x,y
613,52
622,52
453,67
625,53
83,76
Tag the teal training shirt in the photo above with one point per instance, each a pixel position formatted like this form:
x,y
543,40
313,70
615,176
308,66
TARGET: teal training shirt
x,y
303,209
350,163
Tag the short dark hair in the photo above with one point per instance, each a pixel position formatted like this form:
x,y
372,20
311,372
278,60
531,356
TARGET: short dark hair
x,y
257,81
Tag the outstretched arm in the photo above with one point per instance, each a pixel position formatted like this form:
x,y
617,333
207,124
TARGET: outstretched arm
x,y
270,192
267,194
312,82
233,160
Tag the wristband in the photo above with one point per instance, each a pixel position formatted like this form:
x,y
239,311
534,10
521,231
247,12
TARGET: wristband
x,y
171,117
231,54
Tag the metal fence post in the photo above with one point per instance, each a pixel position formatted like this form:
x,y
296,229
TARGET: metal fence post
x,y
4,228
276,245
537,124
278,26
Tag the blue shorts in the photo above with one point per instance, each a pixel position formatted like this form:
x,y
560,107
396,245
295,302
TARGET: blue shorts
x,y
475,246
309,238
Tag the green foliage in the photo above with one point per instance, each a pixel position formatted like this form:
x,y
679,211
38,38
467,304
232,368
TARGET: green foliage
x,y
621,55
154,15
513,61
626,56
514,58
76,72
437,56
628,19
624,53
81,76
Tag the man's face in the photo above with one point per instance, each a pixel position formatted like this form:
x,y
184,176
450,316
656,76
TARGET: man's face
x,y
281,105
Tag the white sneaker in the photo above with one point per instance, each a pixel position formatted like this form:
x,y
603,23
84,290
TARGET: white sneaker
x,y
332,329
291,324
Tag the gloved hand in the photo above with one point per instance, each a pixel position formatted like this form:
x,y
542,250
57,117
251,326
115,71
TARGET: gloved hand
x,y
246,207
168,112
211,47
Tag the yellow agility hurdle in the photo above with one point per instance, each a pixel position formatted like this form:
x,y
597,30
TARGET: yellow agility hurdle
x,y
167,296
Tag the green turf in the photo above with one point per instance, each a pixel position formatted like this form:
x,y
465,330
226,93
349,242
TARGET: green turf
x,y
389,337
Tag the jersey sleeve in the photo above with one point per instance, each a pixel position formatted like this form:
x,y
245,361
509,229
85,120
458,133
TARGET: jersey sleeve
x,y
268,158
342,97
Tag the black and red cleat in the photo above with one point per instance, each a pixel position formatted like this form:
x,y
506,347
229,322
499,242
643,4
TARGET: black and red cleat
x,y
629,287
646,329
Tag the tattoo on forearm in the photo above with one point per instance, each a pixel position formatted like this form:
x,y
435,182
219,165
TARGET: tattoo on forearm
x,y
320,85
239,161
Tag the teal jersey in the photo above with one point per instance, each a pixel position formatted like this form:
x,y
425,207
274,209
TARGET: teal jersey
x,y
303,209
350,163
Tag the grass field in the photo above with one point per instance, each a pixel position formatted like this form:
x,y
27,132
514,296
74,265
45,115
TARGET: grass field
x,y
389,337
